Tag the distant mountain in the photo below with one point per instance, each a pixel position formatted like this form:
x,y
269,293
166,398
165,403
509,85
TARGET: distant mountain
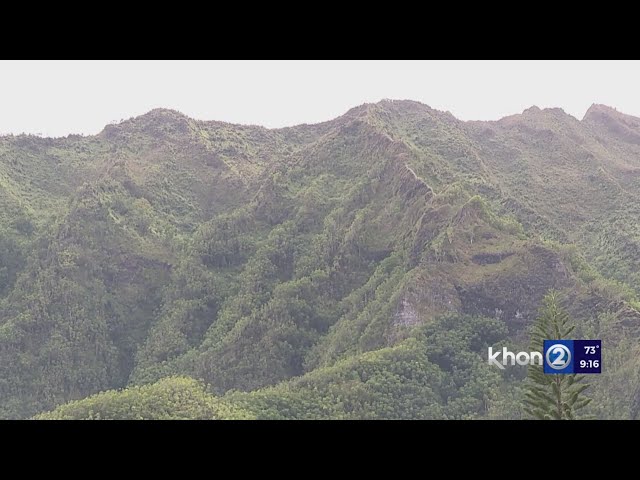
x,y
356,268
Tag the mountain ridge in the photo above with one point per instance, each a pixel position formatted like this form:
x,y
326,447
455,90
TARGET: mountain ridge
x,y
174,114
290,269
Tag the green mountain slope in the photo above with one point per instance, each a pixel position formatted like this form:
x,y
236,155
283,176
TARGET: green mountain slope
x,y
310,272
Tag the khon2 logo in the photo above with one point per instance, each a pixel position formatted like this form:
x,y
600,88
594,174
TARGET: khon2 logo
x,y
557,357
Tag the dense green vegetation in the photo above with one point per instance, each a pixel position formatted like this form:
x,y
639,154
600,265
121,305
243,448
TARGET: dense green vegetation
x,y
553,397
357,268
175,398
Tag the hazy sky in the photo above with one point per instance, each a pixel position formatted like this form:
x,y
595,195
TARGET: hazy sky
x,y
57,98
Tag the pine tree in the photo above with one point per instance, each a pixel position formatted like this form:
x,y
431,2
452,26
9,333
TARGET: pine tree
x,y
553,397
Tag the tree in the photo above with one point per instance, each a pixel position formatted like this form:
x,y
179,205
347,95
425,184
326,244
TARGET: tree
x,y
553,397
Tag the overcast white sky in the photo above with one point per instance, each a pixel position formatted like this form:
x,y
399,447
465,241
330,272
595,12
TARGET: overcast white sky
x,y
56,98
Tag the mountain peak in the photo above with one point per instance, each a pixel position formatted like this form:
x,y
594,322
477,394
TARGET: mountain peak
x,y
540,117
535,110
598,109
157,122
599,112
617,124
532,109
163,114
